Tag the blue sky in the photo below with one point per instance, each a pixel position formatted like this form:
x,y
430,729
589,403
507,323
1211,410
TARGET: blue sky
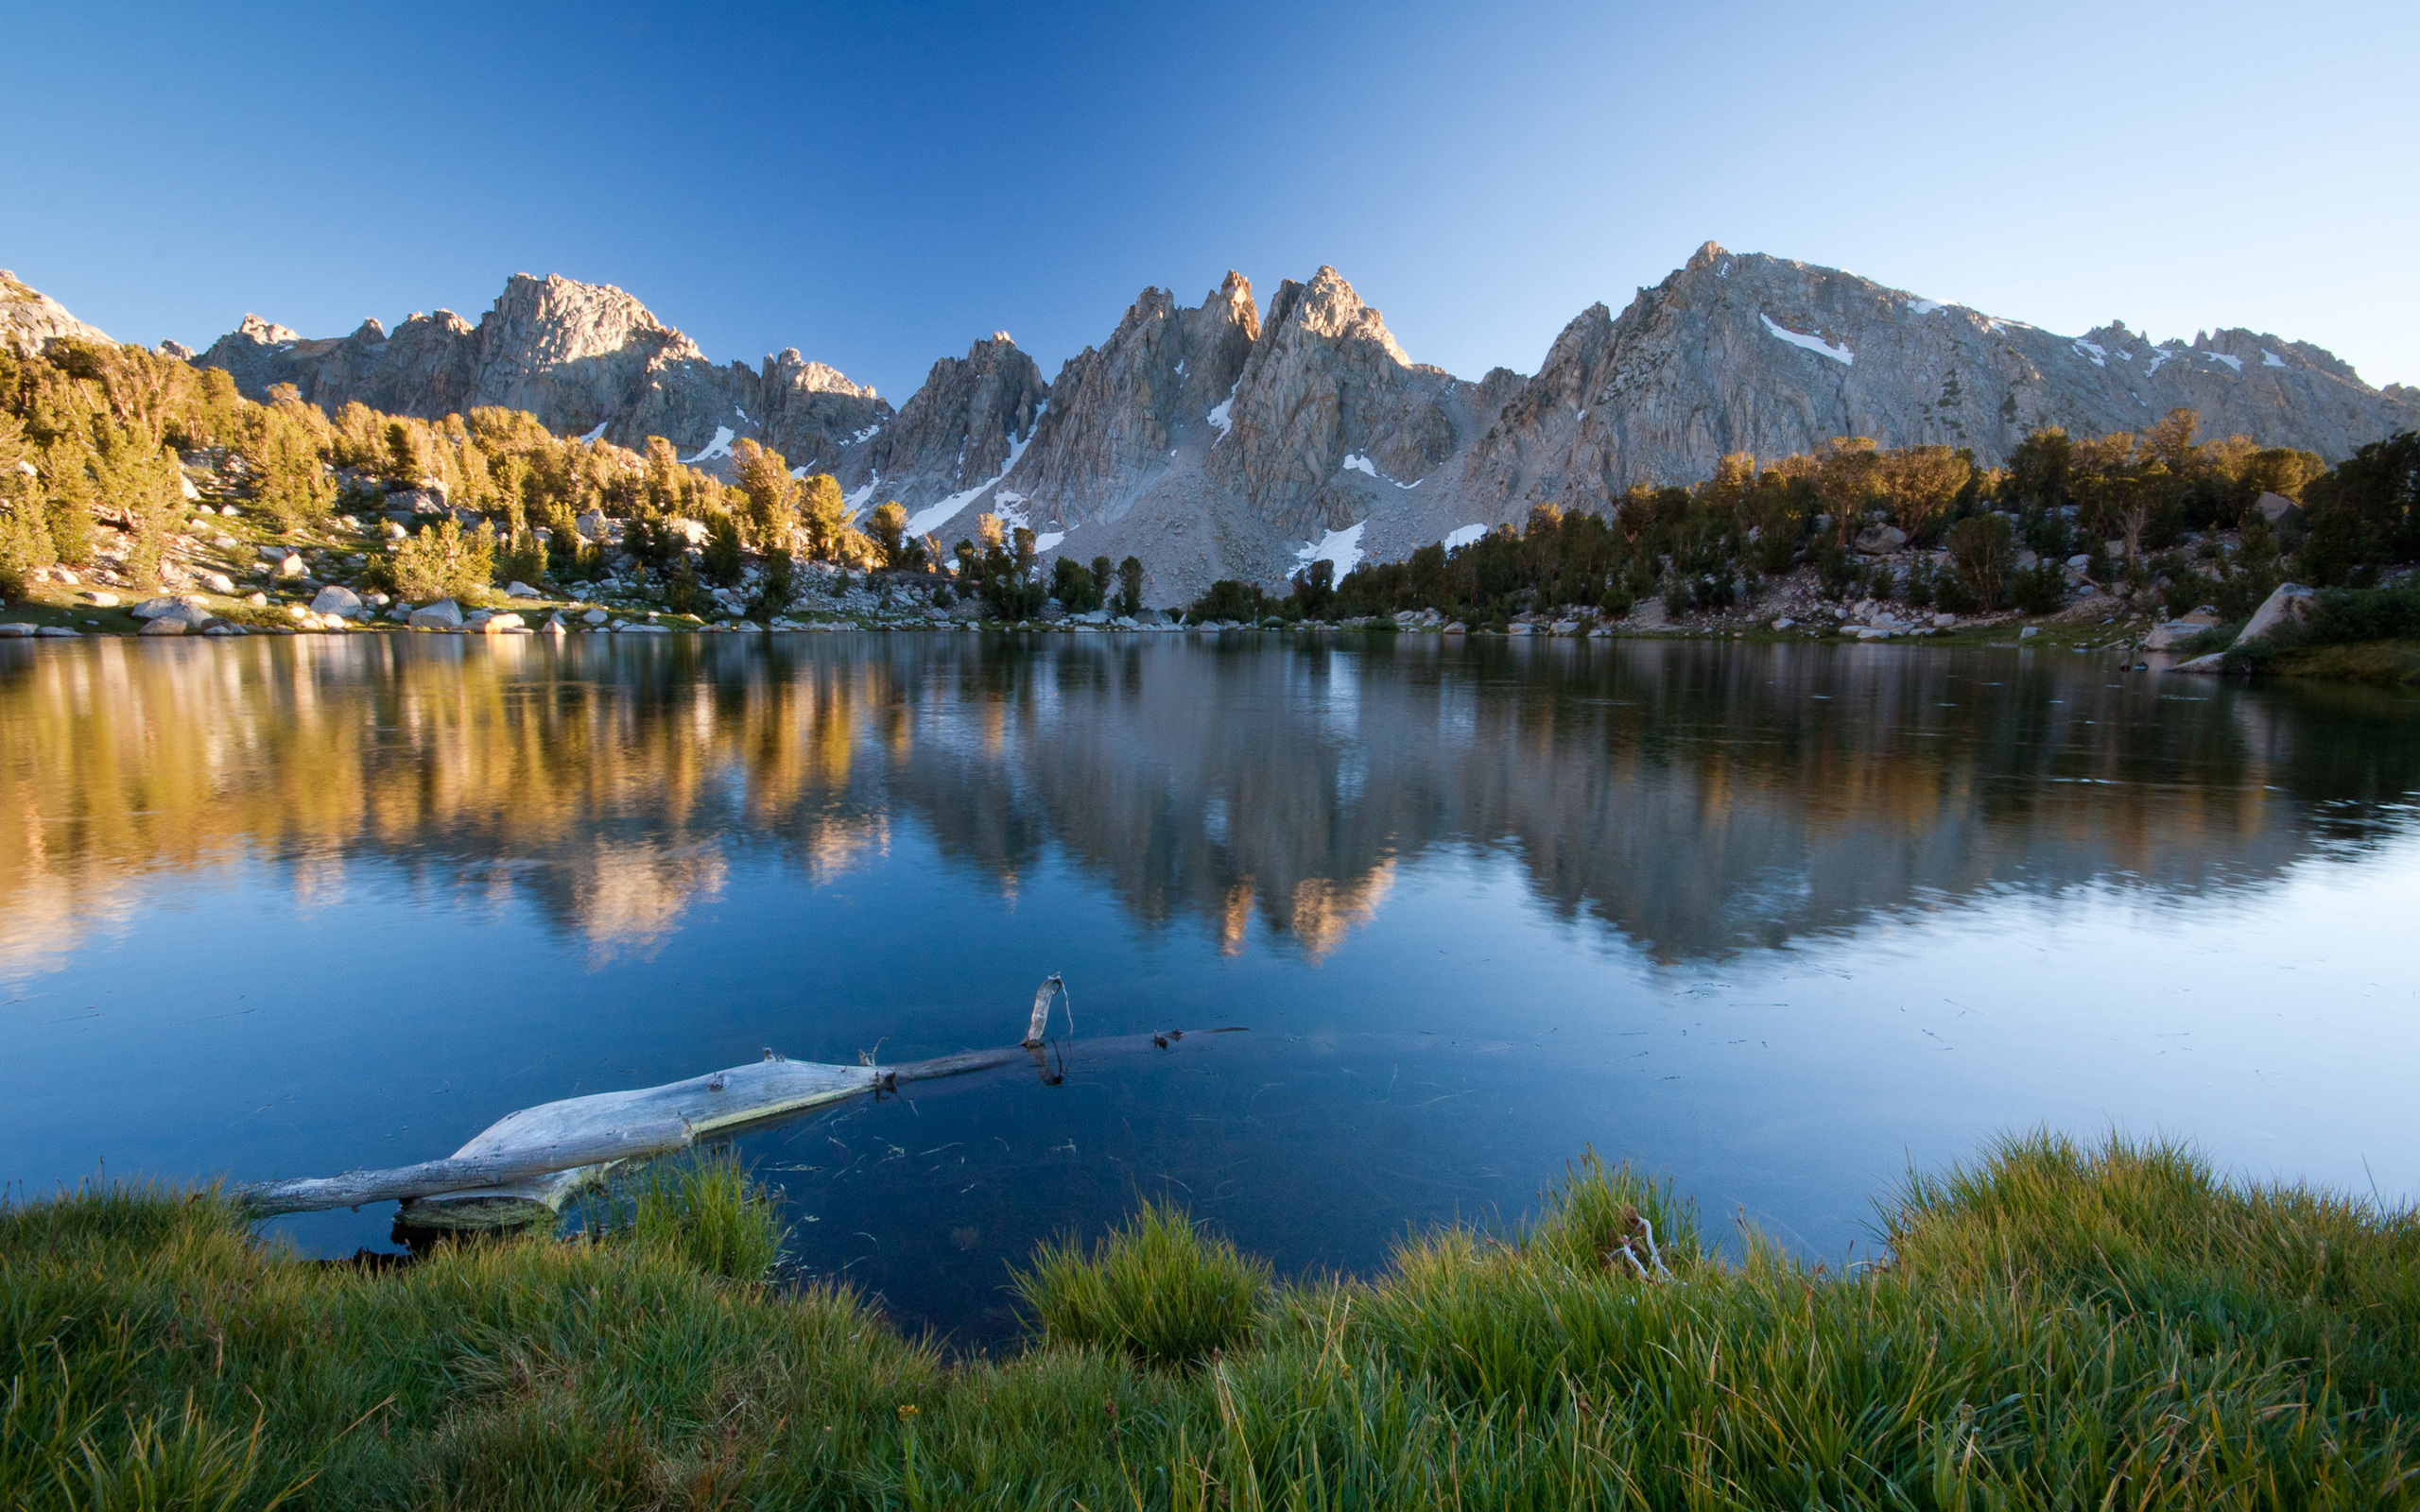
x,y
879,185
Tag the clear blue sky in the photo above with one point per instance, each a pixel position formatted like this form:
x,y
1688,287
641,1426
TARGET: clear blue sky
x,y
878,186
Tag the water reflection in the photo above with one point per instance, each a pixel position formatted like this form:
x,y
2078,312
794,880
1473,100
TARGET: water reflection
x,y
1694,798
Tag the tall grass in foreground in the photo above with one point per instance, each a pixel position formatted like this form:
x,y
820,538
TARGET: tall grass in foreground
x,y
2057,1327
1159,1291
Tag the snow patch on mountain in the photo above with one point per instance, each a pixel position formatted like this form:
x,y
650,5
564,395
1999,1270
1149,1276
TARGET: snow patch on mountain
x,y
1814,344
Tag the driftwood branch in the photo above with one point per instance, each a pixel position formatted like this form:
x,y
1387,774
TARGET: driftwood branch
x,y
1051,987
266,1199
524,1166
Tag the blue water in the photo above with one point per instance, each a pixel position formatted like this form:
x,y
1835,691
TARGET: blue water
x,y
1780,923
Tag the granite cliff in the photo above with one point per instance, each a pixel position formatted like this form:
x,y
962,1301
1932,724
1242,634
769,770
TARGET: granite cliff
x,y
1221,441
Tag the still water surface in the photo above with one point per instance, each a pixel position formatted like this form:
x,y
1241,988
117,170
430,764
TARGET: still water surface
x,y
1776,922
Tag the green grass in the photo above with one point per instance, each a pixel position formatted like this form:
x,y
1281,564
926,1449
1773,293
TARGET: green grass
x,y
2055,1326
1160,1292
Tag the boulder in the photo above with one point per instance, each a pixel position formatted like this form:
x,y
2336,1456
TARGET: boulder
x,y
58,632
521,590
101,600
2274,506
164,624
442,616
15,630
222,628
220,583
2290,605
1877,539
555,624
152,609
501,624
291,569
594,616
333,599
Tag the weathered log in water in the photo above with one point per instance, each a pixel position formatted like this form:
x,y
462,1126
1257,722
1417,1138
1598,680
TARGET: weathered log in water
x,y
522,1168
266,1199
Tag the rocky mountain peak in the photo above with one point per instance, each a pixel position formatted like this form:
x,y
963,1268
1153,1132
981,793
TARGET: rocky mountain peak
x,y
960,431
265,333
1328,308
31,320
791,371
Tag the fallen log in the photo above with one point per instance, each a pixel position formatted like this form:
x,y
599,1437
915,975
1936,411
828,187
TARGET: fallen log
x,y
266,1199
522,1168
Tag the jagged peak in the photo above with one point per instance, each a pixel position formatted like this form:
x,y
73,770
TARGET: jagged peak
x,y
268,332
1328,307
1706,256
792,369
369,330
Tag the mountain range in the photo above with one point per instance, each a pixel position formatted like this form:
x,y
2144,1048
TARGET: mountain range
x,y
1232,440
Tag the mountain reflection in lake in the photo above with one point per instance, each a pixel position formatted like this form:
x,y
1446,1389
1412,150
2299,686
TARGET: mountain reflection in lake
x,y
1775,919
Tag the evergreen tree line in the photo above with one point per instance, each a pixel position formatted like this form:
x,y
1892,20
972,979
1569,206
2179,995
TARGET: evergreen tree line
x,y
89,433
2127,503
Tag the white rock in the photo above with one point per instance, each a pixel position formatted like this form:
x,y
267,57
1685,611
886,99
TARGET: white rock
x,y
292,567
57,633
502,624
225,543
337,600
220,583
2028,632
595,616
1784,623
442,616
223,629
521,590
257,600
1944,621
101,600
2290,605
164,624
16,631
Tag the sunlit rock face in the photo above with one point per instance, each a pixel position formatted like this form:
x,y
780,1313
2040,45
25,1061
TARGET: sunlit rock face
x,y
1225,441
31,320
1743,352
586,359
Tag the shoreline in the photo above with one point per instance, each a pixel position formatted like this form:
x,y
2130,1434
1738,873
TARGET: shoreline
x,y
2054,1323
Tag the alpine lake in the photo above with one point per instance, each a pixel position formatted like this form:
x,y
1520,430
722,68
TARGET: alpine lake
x,y
1782,922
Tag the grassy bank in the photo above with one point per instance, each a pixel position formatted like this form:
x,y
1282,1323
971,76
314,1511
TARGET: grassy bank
x,y
2058,1326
